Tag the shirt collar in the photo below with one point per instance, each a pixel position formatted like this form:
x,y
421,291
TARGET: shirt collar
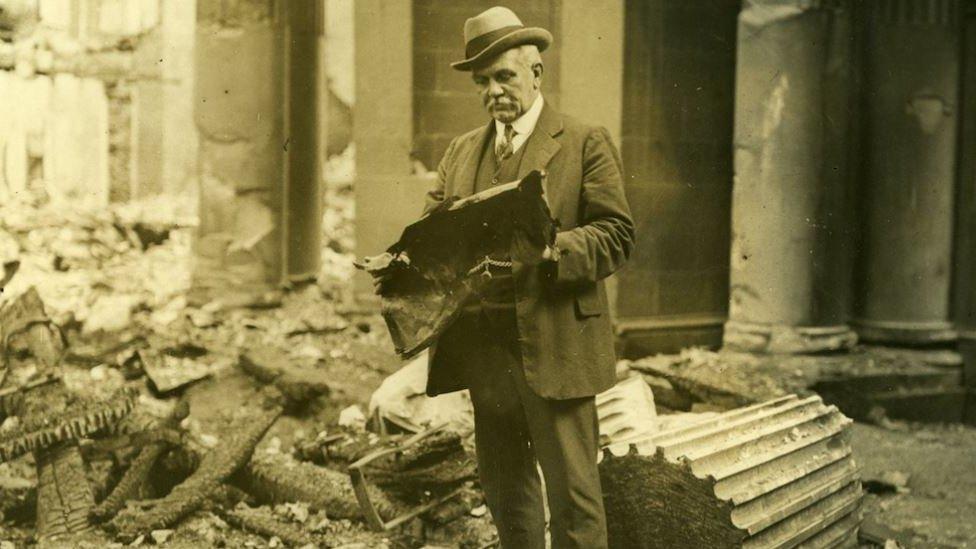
x,y
525,124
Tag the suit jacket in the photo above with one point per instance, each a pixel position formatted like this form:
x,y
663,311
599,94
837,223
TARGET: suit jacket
x,y
563,321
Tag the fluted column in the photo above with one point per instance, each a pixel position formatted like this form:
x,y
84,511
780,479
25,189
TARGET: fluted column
x,y
790,243
911,106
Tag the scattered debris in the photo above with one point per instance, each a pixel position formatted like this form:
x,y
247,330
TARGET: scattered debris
x,y
401,403
232,454
26,315
299,386
352,417
278,478
137,475
263,523
888,482
431,462
168,374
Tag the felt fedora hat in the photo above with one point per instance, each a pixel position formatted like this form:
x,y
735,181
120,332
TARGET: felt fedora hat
x,y
495,30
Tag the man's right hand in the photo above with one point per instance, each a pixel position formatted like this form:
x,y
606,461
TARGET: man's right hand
x,y
378,267
379,279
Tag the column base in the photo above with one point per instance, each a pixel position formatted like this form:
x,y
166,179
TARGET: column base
x,y
905,333
781,339
967,348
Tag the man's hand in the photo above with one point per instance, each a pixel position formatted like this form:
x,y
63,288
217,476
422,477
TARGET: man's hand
x,y
379,279
379,267
551,253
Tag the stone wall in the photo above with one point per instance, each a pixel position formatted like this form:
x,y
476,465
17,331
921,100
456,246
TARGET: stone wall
x,y
93,91
679,66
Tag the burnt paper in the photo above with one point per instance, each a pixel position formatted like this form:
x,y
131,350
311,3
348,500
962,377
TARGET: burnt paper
x,y
439,262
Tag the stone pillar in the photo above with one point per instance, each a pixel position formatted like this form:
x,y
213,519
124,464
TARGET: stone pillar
x,y
965,252
388,196
911,105
789,257
240,115
179,139
306,84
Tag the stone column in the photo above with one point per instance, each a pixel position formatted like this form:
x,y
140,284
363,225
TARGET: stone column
x,y
965,252
305,83
388,195
789,257
911,105
240,114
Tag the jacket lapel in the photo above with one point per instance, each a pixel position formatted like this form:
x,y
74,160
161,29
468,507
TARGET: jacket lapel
x,y
464,184
541,146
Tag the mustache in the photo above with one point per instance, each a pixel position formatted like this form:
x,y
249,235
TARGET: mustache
x,y
498,100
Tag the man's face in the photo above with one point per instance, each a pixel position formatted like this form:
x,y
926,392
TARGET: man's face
x,y
507,85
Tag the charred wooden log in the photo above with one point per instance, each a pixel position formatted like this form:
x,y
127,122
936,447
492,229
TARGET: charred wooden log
x,y
437,463
260,522
234,451
55,416
134,480
460,506
777,474
52,422
18,500
26,315
63,494
281,479
339,450
436,264
12,398
297,386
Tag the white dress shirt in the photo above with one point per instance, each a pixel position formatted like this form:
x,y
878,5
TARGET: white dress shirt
x,y
523,126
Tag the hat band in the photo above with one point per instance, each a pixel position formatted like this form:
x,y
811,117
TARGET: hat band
x,y
477,44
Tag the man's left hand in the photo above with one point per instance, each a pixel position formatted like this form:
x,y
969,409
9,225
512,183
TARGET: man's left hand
x,y
551,253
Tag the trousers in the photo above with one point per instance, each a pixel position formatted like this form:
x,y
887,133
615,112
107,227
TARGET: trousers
x,y
515,429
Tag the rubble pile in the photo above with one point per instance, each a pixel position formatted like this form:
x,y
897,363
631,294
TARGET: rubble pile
x,y
96,269
93,308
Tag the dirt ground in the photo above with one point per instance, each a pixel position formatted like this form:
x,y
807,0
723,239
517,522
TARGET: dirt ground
x,y
937,506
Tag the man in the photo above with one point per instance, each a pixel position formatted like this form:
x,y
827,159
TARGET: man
x,y
537,347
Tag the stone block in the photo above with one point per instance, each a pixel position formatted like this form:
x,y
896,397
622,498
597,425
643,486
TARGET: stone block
x,y
14,160
149,14
246,165
934,406
242,99
55,14
76,140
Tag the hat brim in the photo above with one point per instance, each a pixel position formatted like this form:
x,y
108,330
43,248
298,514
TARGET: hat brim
x,y
539,37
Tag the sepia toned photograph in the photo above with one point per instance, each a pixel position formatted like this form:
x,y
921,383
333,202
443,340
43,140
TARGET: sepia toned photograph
x,y
464,274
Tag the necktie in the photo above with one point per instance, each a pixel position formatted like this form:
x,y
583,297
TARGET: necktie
x,y
505,149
